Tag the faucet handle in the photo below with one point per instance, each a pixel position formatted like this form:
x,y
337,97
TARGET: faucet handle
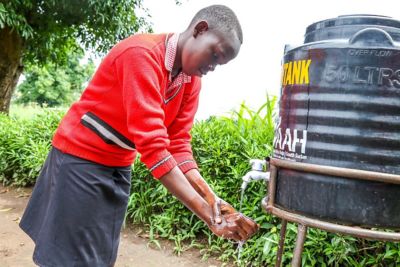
x,y
258,164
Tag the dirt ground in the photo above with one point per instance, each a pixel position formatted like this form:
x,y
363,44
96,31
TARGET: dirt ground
x,y
16,247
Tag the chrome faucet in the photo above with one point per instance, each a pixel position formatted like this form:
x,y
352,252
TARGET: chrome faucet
x,y
257,172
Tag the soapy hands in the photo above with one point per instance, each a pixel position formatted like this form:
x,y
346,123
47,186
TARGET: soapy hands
x,y
220,207
229,223
225,221
235,226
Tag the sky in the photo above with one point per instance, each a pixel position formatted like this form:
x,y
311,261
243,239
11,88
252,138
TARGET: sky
x,y
267,27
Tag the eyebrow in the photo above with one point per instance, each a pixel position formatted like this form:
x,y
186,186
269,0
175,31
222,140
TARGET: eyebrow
x,y
223,54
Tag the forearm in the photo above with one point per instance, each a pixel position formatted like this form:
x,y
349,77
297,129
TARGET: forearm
x,y
182,189
199,184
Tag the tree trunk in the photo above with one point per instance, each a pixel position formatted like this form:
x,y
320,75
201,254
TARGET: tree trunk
x,y
11,45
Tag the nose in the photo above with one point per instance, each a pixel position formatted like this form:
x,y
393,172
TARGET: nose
x,y
211,67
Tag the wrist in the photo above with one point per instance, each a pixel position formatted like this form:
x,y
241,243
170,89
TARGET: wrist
x,y
205,213
200,185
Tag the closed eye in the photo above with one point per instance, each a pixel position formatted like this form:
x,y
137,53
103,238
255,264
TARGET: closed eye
x,y
215,57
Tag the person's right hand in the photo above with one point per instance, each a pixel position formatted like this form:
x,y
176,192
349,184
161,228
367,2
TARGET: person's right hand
x,y
235,226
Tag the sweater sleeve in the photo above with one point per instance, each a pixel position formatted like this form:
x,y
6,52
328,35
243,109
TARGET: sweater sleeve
x,y
179,130
140,75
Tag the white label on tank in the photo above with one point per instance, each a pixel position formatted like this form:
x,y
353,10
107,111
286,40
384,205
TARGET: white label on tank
x,y
289,143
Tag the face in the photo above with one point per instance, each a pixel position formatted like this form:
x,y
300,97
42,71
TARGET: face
x,y
206,49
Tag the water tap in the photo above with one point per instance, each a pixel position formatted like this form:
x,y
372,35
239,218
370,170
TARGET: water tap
x,y
257,173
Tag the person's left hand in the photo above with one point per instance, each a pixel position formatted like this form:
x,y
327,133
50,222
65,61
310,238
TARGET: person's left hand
x,y
219,207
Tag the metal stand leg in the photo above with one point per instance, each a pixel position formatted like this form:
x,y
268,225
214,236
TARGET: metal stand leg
x,y
301,236
281,243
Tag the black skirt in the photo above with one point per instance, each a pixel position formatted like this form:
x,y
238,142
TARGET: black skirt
x,y
76,211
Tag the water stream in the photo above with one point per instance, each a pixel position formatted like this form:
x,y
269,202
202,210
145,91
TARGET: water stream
x,y
241,200
239,249
240,243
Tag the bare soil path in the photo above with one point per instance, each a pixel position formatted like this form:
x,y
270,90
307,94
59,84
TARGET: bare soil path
x,y
16,247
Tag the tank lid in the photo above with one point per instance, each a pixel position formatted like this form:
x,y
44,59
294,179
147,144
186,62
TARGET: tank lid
x,y
346,25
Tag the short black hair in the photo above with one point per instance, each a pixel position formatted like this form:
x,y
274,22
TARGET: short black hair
x,y
221,18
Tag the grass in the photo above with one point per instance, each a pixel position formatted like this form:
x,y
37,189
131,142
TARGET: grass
x,y
31,110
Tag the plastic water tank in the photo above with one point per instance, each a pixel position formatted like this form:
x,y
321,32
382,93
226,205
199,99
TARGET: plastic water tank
x,y
340,106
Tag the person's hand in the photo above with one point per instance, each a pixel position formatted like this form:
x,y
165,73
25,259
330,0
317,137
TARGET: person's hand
x,y
220,208
224,220
215,204
225,207
235,226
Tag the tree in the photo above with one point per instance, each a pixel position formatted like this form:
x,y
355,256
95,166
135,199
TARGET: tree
x,y
53,85
42,31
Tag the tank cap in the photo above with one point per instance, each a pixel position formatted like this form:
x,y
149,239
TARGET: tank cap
x,y
346,26
371,37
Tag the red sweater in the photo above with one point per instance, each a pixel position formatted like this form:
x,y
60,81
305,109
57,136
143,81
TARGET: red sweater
x,y
129,106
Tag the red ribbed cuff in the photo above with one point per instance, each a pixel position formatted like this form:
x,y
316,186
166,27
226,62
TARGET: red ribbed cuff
x,y
185,162
163,166
187,165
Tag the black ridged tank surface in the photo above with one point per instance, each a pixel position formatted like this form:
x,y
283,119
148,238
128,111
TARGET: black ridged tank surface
x,y
340,106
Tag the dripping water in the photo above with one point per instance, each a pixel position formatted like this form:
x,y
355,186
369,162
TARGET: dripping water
x,y
240,243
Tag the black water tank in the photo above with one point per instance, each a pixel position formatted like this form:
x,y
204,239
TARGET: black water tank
x,y
340,106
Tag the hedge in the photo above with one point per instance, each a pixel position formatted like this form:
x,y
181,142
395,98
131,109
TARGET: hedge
x,y
222,146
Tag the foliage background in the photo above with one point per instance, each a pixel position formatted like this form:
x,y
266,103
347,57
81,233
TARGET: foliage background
x,y
55,85
222,147
35,33
53,29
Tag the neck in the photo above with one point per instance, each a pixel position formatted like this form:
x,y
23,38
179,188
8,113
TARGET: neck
x,y
175,72
178,57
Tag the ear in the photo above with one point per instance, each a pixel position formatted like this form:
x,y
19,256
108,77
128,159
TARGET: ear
x,y
200,27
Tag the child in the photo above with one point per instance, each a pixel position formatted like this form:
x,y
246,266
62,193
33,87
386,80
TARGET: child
x,y
142,99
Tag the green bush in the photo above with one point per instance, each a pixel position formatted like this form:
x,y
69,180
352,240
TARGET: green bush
x,y
222,147
24,145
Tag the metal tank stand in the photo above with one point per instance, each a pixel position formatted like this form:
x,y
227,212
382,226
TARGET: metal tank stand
x,y
268,203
